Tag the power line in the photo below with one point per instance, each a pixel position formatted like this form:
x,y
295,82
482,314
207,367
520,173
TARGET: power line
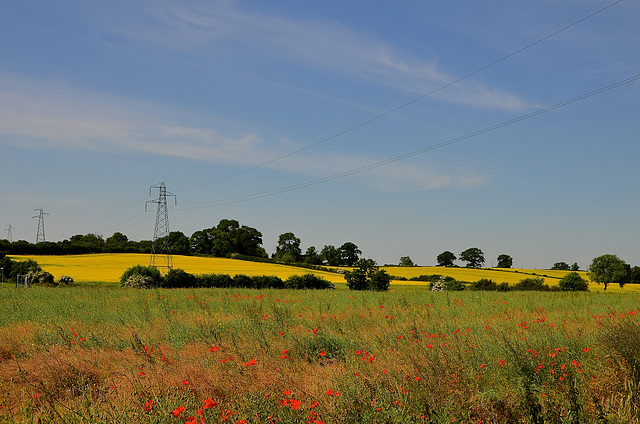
x,y
495,127
501,56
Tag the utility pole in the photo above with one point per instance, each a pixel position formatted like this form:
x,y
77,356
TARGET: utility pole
x,y
9,230
160,246
40,235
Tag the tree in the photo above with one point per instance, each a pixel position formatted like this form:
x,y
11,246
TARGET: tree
x,y
573,282
349,254
312,256
367,276
288,248
116,243
634,275
608,269
406,261
473,257
330,255
446,258
505,261
562,266
226,238
575,267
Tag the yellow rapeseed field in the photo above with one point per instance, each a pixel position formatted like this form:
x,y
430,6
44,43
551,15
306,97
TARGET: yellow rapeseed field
x,y
499,275
108,267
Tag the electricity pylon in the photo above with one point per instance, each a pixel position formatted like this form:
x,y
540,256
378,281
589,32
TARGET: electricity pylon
x,y
9,230
160,246
40,234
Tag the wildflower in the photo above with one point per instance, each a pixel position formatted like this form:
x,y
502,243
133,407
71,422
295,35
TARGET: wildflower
x,y
185,382
214,348
324,352
179,410
209,403
251,362
585,350
148,405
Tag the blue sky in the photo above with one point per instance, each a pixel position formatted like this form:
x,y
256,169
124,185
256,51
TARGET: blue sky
x,y
234,103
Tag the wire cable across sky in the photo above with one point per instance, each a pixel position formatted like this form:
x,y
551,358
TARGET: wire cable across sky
x,y
259,195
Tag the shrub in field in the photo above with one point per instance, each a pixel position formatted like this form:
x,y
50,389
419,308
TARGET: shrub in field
x,y
214,280
65,280
151,277
454,285
379,280
307,281
484,284
267,282
356,279
179,278
503,287
429,278
531,284
441,283
242,281
41,278
573,282
23,267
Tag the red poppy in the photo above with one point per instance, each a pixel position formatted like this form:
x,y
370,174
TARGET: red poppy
x,y
214,348
148,405
179,410
324,352
209,403
251,362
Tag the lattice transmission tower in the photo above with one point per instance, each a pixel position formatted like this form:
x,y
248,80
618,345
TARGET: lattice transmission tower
x,y
9,230
40,234
160,251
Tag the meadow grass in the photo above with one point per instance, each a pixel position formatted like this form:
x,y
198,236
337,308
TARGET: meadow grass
x,y
109,354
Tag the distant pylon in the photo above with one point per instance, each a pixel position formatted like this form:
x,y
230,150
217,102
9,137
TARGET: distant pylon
x,y
9,230
40,234
160,247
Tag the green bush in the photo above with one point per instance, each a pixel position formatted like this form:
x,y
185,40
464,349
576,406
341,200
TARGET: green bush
x,y
356,280
267,282
531,284
23,267
179,278
65,280
41,278
503,287
484,284
379,280
242,281
573,282
151,277
214,280
309,282
454,285
138,281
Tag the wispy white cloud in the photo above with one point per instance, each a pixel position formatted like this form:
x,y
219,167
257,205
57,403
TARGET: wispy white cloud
x,y
312,44
52,115
35,113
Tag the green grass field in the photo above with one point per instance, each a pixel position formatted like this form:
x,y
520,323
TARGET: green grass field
x,y
104,354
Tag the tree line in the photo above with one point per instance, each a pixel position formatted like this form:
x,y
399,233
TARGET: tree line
x,y
227,239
